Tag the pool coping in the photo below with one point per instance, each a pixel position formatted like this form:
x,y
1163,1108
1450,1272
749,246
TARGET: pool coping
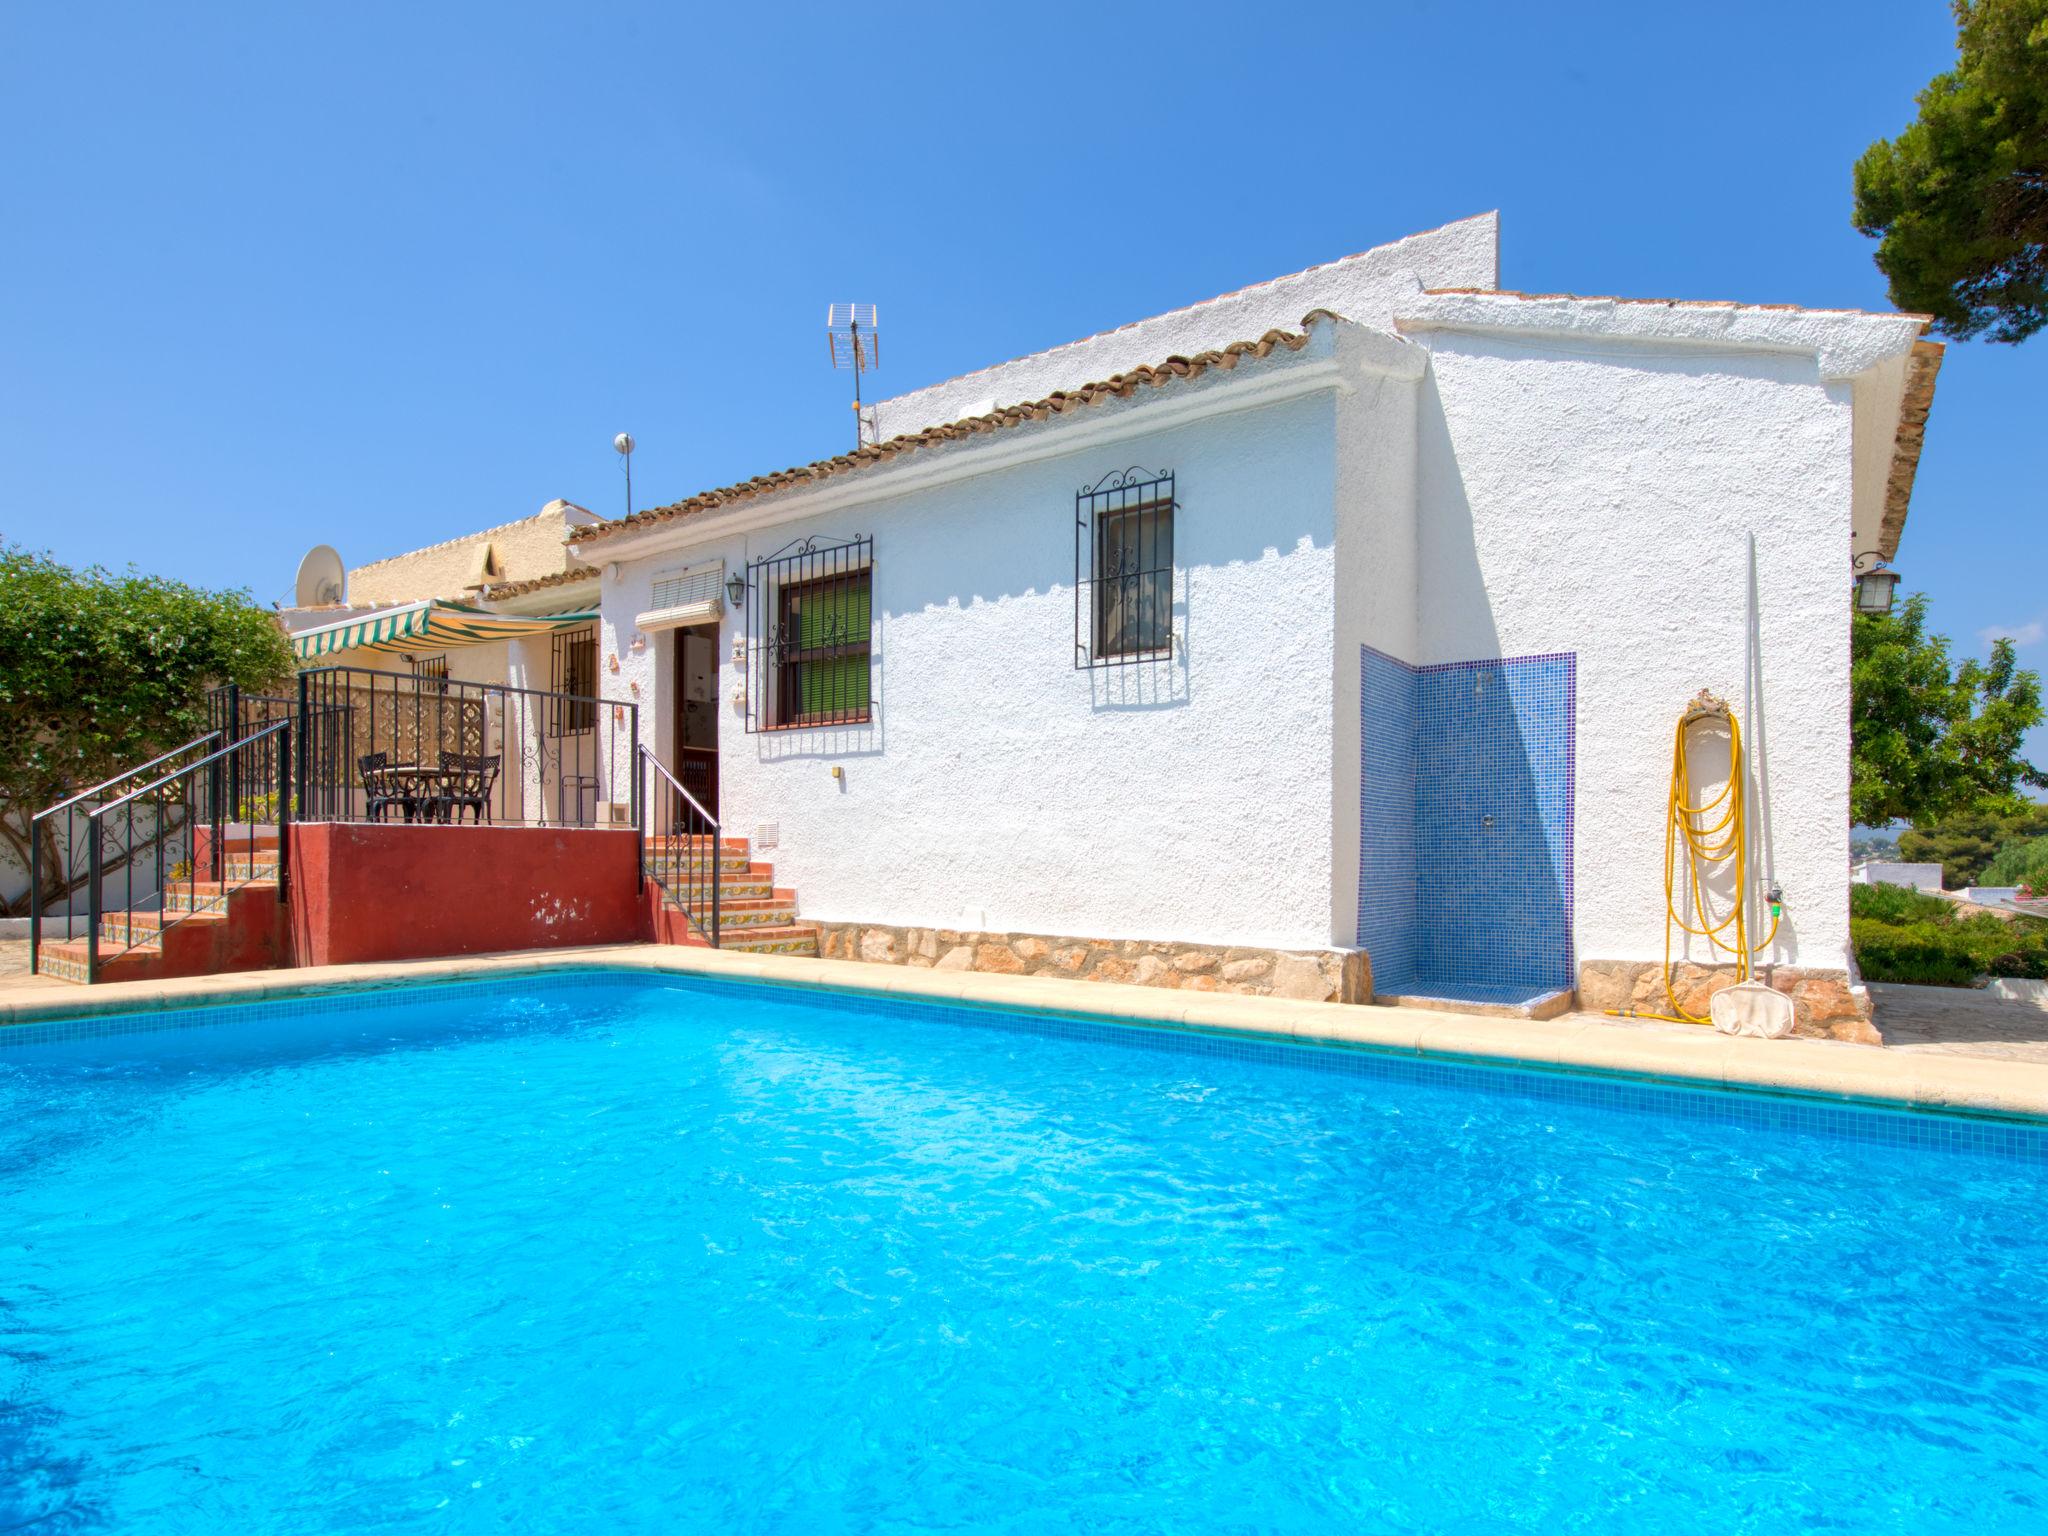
x,y
1696,1057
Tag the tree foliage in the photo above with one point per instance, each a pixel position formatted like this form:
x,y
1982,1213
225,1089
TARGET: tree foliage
x,y
2022,862
1965,842
1959,200
1929,739
100,672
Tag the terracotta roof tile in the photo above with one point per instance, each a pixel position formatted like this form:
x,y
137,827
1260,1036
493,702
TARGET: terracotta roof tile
x,y
1116,387
504,589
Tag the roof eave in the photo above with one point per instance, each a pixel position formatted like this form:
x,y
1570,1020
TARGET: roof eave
x,y
1026,433
1922,368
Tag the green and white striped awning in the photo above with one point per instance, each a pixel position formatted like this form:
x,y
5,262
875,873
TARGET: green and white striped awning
x,y
430,623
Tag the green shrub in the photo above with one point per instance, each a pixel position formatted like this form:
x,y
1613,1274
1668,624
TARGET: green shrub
x,y
2019,863
1924,953
1897,904
2026,964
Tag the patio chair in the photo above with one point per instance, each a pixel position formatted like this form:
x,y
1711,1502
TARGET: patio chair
x,y
380,790
467,779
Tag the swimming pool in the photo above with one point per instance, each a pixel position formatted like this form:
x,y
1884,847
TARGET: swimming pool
x,y
620,1253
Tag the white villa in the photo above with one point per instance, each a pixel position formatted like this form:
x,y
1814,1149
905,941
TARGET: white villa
x,y
1323,638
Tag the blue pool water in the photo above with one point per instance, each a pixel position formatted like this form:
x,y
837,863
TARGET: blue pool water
x,y
611,1254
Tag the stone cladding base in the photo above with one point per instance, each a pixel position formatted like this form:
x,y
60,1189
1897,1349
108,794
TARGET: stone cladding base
x,y
1825,1006
1317,975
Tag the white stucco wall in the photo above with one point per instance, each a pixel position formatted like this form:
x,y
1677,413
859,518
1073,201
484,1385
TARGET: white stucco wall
x,y
1365,289
1378,582
1591,495
999,788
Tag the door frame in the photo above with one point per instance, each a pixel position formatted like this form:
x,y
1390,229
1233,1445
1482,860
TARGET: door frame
x,y
696,768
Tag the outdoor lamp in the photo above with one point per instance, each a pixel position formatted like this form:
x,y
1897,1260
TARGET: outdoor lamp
x,y
1874,583
736,589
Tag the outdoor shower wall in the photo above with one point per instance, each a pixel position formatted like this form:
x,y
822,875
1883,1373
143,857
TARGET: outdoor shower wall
x,y
1465,799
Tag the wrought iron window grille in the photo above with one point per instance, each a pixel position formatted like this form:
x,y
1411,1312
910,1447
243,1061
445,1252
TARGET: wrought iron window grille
x,y
1123,569
572,680
809,635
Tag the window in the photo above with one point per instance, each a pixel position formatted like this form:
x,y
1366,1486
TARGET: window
x,y
821,673
572,679
1123,569
806,622
430,666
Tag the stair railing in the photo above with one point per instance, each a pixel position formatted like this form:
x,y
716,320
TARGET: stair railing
x,y
66,833
675,830
216,795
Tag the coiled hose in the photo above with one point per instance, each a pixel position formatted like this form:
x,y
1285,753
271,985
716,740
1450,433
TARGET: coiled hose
x,y
1709,835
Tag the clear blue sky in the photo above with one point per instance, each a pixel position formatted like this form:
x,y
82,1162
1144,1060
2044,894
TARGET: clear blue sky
x,y
380,274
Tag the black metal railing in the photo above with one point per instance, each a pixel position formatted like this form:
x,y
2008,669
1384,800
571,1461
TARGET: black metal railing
x,y
383,746
239,716
165,850
680,849
63,826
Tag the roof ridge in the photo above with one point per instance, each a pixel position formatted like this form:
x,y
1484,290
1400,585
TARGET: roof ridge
x,y
1059,402
460,538
1182,309
1615,298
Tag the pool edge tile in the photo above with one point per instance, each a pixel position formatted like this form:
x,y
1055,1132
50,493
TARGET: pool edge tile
x,y
1825,1070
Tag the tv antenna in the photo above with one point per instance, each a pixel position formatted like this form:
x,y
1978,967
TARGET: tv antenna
x,y
856,342
624,444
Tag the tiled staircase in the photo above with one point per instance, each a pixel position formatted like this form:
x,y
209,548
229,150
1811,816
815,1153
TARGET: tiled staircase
x,y
205,927
755,915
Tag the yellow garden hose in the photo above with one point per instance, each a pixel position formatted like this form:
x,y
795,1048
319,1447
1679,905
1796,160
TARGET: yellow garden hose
x,y
1710,835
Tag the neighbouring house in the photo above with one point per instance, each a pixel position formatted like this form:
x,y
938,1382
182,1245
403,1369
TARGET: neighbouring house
x,y
1919,877
501,617
1325,638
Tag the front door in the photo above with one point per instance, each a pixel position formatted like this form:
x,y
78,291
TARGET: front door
x,y
696,743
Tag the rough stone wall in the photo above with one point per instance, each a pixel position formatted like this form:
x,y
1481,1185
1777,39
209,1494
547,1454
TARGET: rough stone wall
x,y
1824,1007
528,548
1331,975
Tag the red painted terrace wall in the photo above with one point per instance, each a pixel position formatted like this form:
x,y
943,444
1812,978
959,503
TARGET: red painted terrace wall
x,y
399,892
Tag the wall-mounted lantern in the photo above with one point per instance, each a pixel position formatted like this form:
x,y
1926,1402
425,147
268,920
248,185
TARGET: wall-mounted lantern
x,y
1875,583
736,589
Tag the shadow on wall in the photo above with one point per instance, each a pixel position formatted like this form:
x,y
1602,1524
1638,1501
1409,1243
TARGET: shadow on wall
x,y
1465,868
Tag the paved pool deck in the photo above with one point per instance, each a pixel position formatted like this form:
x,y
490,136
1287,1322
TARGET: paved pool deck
x,y
1906,1076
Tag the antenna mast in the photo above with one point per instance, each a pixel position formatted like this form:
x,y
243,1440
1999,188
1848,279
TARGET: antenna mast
x,y
856,341
624,444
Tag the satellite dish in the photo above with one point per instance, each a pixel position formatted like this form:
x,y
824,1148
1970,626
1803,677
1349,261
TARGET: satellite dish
x,y
321,577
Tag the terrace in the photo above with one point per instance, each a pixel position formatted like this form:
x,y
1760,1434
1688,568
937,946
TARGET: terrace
x,y
367,815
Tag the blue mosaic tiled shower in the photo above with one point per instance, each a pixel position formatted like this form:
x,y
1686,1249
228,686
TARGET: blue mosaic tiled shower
x,y
1465,802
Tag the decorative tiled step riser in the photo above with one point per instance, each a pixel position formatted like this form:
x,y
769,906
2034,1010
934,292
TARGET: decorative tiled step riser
x,y
191,901
61,967
140,928
777,916
753,916
804,946
731,864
